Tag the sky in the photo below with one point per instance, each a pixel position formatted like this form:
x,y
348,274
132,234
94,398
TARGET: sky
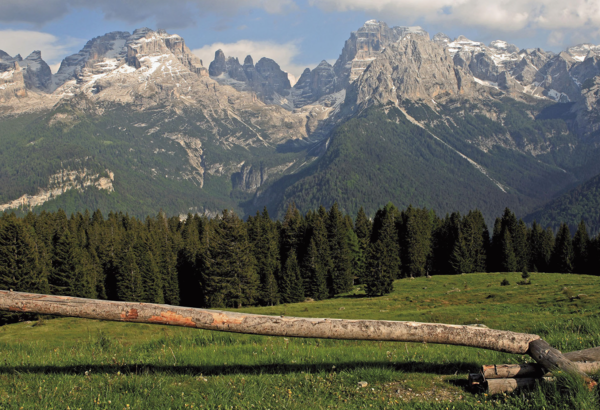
x,y
295,33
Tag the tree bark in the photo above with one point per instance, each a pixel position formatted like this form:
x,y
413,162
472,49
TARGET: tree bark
x,y
497,386
528,370
553,360
381,330
587,355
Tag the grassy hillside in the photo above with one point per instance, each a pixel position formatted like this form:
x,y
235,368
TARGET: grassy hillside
x,y
76,363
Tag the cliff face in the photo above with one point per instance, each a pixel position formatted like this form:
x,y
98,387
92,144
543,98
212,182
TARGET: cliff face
x,y
414,68
267,80
365,45
12,80
314,84
61,182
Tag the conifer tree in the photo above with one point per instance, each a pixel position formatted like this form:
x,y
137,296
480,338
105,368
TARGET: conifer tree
x,y
562,255
470,250
495,255
415,241
362,228
317,264
151,278
292,232
357,261
292,288
263,236
520,245
167,259
129,286
232,279
508,261
315,272
70,273
539,251
383,258
581,247
188,272
341,264
444,239
20,268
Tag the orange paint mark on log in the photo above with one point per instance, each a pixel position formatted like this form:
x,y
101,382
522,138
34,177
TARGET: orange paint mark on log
x,y
131,315
15,309
223,319
170,318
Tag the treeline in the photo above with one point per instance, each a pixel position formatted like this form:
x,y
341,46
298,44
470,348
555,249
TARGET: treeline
x,y
228,262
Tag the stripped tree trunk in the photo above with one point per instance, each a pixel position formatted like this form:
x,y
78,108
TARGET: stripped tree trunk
x,y
380,330
502,371
497,386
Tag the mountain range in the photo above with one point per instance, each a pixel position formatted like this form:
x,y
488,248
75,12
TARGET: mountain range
x,y
136,122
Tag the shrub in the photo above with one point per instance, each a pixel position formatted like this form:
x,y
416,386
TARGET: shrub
x,y
505,282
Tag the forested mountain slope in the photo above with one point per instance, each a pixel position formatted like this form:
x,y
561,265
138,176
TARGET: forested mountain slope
x,y
579,204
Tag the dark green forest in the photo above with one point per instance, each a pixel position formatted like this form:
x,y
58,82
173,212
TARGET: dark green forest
x,y
581,203
228,262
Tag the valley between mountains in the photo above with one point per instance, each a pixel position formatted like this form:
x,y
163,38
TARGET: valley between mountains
x,y
135,122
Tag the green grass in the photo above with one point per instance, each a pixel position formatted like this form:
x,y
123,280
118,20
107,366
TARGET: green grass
x,y
75,363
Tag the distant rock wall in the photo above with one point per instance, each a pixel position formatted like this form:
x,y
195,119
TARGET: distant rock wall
x,y
61,182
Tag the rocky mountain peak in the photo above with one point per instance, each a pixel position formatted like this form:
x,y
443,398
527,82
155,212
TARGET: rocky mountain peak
x,y
110,45
314,84
37,73
266,79
441,38
276,78
581,51
504,46
218,66
414,68
12,82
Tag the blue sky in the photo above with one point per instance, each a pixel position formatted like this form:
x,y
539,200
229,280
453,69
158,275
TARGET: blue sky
x,y
296,33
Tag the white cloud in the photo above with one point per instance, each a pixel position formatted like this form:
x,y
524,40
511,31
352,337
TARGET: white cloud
x,y
502,15
283,54
168,14
24,42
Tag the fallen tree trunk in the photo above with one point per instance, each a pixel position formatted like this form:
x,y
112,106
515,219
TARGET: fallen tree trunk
x,y
528,370
380,330
587,355
497,386
553,360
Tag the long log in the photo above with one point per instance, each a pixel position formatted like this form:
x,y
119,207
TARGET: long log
x,y
380,330
529,370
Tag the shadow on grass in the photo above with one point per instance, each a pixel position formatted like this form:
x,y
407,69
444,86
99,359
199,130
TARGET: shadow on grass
x,y
214,370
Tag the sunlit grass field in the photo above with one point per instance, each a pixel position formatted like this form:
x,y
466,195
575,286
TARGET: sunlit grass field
x,y
69,363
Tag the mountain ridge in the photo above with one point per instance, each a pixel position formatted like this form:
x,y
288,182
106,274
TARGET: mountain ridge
x,y
523,123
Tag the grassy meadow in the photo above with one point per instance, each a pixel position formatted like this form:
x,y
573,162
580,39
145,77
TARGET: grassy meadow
x,y
69,363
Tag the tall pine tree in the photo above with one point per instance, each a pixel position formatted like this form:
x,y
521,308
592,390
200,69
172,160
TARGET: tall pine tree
x,y
383,258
